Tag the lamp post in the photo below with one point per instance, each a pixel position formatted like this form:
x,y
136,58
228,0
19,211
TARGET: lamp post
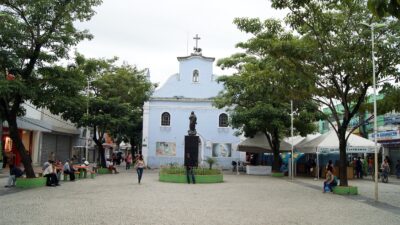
x,y
372,27
291,134
87,128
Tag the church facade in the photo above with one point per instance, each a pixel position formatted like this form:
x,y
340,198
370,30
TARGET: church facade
x,y
166,117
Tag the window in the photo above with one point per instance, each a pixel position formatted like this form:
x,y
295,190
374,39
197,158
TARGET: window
x,y
223,120
195,76
165,119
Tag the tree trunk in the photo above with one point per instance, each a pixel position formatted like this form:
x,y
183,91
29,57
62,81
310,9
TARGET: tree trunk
x,y
343,158
276,165
25,157
101,152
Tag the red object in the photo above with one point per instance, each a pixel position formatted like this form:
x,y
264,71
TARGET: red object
x,y
10,76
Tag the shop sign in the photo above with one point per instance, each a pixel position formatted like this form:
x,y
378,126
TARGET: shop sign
x,y
385,135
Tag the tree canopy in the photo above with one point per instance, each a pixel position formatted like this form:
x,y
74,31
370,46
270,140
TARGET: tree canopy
x,y
258,95
332,48
34,35
384,8
114,100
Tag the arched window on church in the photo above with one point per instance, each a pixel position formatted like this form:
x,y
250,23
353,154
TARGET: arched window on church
x,y
195,76
223,120
165,119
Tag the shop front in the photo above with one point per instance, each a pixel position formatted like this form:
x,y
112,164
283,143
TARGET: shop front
x,y
390,141
11,154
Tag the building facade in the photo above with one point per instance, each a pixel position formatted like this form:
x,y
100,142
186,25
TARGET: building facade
x,y
166,117
42,133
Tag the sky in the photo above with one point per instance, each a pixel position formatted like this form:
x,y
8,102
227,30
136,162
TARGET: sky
x,y
153,33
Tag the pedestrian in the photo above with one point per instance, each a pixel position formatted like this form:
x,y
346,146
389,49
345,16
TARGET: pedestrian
x,y
111,167
370,165
359,168
114,159
15,172
398,169
190,169
139,167
330,164
128,161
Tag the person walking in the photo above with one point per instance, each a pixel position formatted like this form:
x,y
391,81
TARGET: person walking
x,y
128,161
359,168
139,167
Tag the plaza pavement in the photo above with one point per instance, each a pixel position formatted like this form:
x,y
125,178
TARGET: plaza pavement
x,y
241,199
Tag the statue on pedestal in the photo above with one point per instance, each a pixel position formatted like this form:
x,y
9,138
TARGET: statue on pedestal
x,y
192,124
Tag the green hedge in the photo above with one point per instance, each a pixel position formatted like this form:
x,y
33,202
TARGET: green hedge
x,y
200,179
342,190
182,171
30,182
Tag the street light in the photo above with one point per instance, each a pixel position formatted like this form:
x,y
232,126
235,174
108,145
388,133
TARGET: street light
x,y
372,26
87,128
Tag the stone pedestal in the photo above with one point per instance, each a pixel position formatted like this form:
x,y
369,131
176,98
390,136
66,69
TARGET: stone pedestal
x,y
192,148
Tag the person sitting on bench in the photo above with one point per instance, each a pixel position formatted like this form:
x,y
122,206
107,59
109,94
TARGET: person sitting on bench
x,y
49,173
69,170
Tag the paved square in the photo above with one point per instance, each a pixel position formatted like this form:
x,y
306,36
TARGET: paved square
x,y
243,199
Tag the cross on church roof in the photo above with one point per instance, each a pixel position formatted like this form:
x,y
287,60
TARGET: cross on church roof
x,y
197,50
197,38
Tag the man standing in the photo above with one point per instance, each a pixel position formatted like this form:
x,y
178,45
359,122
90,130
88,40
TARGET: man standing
x,y
190,168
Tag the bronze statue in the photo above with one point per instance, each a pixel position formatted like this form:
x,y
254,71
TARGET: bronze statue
x,y
192,124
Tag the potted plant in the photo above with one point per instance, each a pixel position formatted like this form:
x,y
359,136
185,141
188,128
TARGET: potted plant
x,y
211,161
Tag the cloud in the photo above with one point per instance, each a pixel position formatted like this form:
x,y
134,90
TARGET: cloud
x,y
152,33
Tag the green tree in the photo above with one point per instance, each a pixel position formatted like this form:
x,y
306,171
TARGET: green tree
x,y
34,34
258,95
116,95
333,50
384,8
390,101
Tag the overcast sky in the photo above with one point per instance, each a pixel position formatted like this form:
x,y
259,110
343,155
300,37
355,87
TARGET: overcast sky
x,y
152,33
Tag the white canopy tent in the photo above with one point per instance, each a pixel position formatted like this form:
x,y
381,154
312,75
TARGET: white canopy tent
x,y
259,144
329,143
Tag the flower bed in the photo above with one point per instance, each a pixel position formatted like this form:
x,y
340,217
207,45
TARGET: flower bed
x,y
31,182
202,175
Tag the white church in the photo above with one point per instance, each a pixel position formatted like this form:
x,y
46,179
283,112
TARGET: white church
x,y
166,116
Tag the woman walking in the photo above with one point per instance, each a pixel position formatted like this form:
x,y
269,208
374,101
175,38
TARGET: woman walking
x,y
128,161
139,167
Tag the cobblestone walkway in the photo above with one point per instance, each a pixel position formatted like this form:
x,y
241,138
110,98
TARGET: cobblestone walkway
x,y
118,199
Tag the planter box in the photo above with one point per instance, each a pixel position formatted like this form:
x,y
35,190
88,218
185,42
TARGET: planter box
x,y
31,182
200,179
103,171
277,174
341,190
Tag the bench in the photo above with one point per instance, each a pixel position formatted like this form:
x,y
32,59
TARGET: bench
x,y
77,174
66,176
